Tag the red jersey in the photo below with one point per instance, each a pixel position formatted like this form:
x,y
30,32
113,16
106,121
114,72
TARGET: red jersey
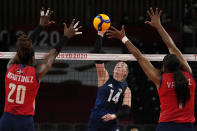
x,y
171,111
21,87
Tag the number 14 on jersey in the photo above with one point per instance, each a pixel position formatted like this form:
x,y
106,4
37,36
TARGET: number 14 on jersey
x,y
116,97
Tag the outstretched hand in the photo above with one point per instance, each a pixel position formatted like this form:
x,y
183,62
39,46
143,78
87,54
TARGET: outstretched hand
x,y
72,29
45,18
155,17
108,117
114,33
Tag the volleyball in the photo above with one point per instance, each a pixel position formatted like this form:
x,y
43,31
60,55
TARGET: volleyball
x,y
101,22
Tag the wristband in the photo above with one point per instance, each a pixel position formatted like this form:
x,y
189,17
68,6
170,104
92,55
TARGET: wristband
x,y
99,62
124,112
59,45
98,44
124,39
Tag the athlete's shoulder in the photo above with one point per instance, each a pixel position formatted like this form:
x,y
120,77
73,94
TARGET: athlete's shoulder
x,y
110,79
30,67
187,74
12,66
167,76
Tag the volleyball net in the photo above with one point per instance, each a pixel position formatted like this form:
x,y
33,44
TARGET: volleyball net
x,y
105,57
73,80
80,67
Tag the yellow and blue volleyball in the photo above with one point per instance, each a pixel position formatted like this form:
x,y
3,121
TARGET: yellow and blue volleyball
x,y
101,22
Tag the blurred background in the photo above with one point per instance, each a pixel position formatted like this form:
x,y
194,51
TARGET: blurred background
x,y
68,91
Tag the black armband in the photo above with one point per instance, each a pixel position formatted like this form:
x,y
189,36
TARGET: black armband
x,y
99,62
36,33
98,44
63,41
98,47
123,112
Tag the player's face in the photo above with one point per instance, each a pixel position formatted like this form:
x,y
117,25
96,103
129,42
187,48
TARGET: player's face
x,y
120,70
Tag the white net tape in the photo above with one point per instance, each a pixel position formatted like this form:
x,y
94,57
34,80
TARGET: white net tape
x,y
104,57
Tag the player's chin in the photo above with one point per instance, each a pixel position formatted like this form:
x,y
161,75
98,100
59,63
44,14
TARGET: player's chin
x,y
116,73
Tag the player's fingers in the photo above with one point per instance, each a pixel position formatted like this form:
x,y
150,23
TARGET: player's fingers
x,y
51,22
148,12
109,31
103,117
76,24
47,13
110,36
114,28
78,28
152,12
65,26
156,12
72,23
160,12
78,33
122,28
147,22
42,12
108,115
107,119
50,13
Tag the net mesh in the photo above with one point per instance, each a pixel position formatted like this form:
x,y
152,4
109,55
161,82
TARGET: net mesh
x,y
82,76
83,72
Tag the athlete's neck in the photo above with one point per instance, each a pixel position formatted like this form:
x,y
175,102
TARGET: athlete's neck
x,y
119,79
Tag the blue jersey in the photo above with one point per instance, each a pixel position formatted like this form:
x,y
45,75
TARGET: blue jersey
x,y
109,98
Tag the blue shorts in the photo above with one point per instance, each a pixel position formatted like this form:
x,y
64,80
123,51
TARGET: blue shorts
x,y
11,122
96,124
172,126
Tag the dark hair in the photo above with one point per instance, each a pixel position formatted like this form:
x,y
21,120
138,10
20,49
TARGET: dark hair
x,y
173,65
25,49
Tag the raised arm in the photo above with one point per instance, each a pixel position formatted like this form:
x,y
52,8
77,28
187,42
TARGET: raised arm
x,y
12,61
155,22
69,32
152,73
127,98
44,22
102,73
